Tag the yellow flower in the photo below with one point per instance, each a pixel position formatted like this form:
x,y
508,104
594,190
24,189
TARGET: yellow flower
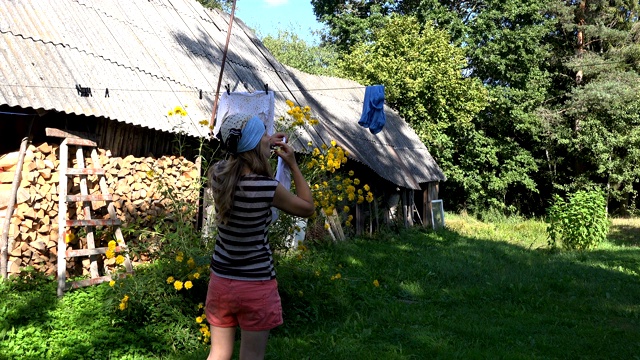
x,y
196,275
346,209
369,197
191,263
119,259
69,236
188,285
179,257
110,254
170,280
125,298
289,103
204,122
351,173
122,306
112,283
333,143
326,226
170,113
199,319
179,111
309,143
356,181
200,305
366,187
112,245
376,283
178,285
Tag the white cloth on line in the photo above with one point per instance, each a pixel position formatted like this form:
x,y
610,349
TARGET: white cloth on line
x,y
257,103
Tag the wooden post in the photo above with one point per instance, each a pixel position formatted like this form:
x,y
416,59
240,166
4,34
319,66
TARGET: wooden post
x,y
62,216
4,252
359,220
426,206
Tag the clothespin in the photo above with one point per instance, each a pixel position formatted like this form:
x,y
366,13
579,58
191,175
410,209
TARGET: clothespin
x,y
228,90
106,92
200,94
83,91
266,88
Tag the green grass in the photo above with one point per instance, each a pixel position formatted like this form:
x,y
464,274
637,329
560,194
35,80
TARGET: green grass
x,y
476,290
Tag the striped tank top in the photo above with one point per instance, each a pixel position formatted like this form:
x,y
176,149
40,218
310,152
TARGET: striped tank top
x,y
242,249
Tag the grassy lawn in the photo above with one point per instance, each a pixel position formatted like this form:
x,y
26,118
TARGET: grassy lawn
x,y
473,291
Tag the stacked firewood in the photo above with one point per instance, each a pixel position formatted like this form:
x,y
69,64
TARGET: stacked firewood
x,y
139,187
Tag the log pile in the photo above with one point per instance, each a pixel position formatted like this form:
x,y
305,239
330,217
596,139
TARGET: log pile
x,y
138,186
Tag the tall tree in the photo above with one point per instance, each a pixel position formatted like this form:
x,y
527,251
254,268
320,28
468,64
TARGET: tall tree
x,y
422,74
504,46
595,125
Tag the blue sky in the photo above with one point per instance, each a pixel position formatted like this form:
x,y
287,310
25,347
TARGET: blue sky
x,y
267,16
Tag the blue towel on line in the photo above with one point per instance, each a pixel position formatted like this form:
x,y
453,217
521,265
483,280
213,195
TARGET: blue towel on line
x,y
373,116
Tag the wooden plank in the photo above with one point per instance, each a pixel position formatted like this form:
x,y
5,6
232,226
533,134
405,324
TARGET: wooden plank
x,y
62,215
76,198
87,171
81,142
68,134
90,252
84,190
94,222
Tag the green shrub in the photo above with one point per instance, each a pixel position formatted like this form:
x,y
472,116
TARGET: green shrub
x,y
580,222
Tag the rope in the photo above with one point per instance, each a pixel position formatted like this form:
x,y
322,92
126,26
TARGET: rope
x,y
224,60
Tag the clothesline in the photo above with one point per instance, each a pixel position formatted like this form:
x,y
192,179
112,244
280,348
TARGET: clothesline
x,y
173,91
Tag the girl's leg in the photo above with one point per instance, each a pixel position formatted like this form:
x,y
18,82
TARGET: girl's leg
x,y
253,344
222,340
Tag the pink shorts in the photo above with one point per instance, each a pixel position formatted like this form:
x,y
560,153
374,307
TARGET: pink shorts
x,y
254,305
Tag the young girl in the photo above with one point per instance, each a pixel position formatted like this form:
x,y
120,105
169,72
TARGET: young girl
x,y
243,290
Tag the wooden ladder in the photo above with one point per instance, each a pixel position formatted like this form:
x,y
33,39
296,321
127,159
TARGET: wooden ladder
x,y
65,172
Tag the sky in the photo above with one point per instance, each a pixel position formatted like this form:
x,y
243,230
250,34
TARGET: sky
x,y
267,16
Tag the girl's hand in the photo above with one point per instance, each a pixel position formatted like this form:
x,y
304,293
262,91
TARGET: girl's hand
x,y
277,137
286,153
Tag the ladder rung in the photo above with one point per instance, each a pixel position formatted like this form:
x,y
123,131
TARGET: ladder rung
x,y
76,198
89,252
95,281
86,171
94,222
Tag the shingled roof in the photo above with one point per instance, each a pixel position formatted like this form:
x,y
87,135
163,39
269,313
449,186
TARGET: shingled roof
x,y
151,55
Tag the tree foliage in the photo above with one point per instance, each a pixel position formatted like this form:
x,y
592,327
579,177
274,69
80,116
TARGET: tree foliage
x,y
422,74
561,77
291,50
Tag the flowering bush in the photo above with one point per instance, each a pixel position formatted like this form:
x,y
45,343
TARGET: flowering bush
x,y
334,191
172,285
